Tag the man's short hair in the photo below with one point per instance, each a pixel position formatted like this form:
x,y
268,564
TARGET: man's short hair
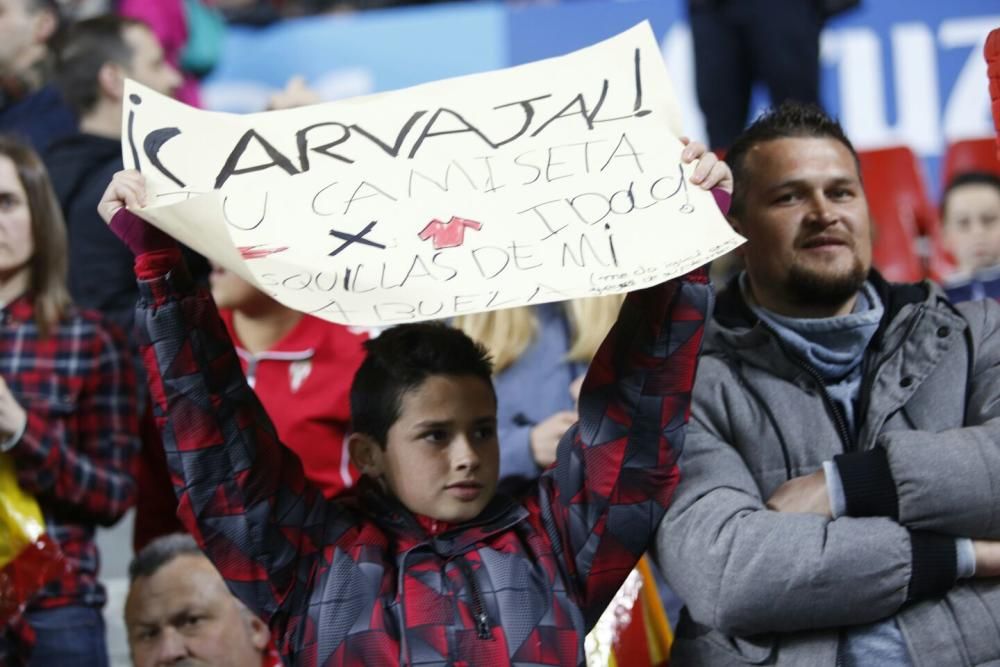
x,y
789,120
399,360
968,178
86,48
161,551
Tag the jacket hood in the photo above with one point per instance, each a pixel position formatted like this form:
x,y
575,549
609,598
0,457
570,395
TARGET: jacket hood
x,y
500,514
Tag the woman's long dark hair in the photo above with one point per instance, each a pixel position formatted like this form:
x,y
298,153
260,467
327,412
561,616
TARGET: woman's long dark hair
x,y
48,263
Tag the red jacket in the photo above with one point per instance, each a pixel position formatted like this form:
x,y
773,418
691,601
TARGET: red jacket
x,y
359,580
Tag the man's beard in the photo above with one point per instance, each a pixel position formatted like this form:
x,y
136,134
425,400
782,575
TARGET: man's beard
x,y
808,287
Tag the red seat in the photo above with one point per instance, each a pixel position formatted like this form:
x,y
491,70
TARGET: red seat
x,y
900,209
970,155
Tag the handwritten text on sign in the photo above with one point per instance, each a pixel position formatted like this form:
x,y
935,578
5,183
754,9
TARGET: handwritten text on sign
x,y
543,182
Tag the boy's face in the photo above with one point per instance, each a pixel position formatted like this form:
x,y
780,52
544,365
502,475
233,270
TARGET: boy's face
x,y
441,457
971,226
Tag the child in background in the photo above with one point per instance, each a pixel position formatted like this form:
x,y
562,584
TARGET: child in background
x,y
970,226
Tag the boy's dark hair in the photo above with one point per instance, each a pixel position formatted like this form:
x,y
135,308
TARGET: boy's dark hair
x,y
85,49
968,178
789,120
400,359
161,551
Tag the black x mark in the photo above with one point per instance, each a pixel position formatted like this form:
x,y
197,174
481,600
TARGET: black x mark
x,y
355,238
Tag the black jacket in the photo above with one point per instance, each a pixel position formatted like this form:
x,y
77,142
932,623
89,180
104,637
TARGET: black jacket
x,y
100,266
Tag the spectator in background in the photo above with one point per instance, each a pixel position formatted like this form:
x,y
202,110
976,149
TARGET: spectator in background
x,y
190,32
301,368
30,108
97,57
68,416
970,229
179,611
738,43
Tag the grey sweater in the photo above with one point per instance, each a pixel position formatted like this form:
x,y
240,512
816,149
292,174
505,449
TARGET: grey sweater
x,y
769,588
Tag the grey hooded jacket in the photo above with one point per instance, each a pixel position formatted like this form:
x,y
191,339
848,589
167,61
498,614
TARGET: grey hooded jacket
x,y
777,589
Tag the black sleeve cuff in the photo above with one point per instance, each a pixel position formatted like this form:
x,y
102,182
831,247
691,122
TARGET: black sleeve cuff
x,y
869,489
935,565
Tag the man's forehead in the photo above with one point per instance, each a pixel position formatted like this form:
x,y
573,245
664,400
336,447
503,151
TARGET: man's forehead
x,y
791,159
184,582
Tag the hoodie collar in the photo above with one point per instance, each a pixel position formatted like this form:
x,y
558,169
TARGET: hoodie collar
x,y
445,538
733,312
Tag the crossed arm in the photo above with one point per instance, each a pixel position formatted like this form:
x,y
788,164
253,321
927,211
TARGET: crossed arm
x,y
743,569
947,482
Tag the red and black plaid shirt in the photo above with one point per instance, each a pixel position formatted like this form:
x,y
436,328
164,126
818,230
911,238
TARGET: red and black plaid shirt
x,y
80,444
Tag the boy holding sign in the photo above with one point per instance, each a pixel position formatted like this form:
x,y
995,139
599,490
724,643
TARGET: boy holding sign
x,y
424,564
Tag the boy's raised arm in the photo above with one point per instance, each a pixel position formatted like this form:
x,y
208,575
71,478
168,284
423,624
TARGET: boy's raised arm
x,y
617,468
241,493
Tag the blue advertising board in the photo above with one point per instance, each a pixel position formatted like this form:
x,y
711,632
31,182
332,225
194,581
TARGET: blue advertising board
x,y
356,54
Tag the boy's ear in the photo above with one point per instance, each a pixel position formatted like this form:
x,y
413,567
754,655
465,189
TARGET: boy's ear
x,y
366,454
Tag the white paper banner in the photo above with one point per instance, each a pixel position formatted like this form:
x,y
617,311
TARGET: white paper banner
x,y
543,182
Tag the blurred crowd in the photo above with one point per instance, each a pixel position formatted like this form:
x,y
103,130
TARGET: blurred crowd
x,y
251,11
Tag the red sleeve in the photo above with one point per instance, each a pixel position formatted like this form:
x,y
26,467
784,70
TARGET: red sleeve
x,y
84,452
429,231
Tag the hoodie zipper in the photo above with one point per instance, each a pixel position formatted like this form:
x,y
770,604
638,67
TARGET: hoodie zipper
x,y
478,608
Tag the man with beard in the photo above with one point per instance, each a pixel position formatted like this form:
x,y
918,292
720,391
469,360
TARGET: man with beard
x,y
30,107
839,482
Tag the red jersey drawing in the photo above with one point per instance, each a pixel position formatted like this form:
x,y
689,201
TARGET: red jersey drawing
x,y
449,234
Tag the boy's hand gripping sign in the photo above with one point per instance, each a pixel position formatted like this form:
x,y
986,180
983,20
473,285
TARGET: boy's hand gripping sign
x,y
544,182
